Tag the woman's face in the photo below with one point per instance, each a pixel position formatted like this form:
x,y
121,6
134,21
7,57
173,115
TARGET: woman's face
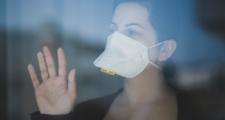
x,y
132,20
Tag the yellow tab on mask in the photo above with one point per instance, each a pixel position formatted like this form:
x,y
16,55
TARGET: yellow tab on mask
x,y
108,71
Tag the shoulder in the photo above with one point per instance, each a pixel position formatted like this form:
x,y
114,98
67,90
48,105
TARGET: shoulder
x,y
94,108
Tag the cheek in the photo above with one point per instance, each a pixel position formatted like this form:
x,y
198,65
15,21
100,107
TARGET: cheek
x,y
150,36
147,39
153,54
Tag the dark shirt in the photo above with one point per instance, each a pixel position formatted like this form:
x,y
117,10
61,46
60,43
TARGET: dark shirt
x,y
191,106
94,109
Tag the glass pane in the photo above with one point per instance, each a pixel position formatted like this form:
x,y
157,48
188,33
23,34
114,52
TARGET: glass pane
x,y
127,54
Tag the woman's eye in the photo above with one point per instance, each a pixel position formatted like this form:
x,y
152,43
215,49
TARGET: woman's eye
x,y
132,33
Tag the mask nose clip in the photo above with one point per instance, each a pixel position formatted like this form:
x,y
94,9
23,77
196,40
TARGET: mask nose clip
x,y
108,71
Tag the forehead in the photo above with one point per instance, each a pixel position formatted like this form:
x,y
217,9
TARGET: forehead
x,y
129,13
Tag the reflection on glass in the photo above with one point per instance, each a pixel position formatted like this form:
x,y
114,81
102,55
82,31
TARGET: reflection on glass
x,y
133,59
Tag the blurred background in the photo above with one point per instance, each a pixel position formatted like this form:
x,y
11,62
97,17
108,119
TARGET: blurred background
x,y
196,71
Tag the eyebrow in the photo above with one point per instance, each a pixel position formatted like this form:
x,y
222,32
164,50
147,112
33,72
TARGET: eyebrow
x,y
130,24
134,24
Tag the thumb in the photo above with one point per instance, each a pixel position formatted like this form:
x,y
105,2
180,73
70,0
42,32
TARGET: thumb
x,y
72,88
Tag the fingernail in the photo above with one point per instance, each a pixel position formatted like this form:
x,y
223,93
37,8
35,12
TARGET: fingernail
x,y
39,54
29,66
45,48
60,49
74,71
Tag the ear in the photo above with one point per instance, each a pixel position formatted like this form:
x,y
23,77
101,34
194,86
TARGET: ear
x,y
167,50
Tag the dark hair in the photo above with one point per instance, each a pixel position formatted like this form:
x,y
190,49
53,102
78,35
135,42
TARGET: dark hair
x,y
145,3
160,18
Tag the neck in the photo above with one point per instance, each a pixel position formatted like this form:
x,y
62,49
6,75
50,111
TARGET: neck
x,y
146,87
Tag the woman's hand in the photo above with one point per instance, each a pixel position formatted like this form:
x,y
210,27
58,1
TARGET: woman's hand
x,y
55,93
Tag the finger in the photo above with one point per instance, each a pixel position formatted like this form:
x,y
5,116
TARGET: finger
x,y
72,88
42,66
62,62
33,76
50,62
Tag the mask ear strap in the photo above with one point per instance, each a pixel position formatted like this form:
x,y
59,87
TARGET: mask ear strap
x,y
155,65
155,45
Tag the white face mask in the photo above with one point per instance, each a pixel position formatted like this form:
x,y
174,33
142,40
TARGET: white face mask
x,y
124,56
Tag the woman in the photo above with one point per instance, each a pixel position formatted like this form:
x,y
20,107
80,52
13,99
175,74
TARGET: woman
x,y
132,51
